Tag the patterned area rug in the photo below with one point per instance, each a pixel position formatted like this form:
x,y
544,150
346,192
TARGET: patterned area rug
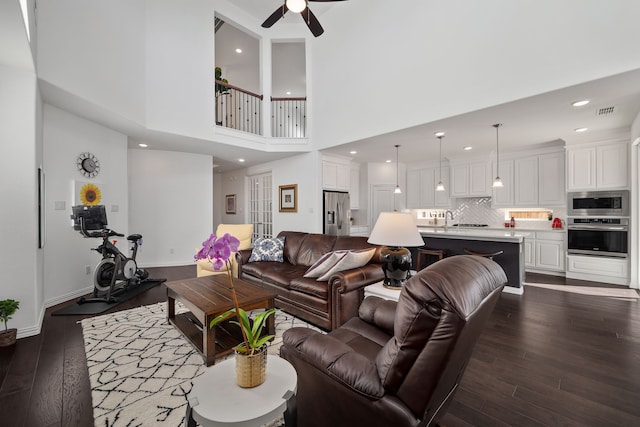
x,y
141,368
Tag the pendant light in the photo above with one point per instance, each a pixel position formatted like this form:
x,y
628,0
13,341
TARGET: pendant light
x,y
497,182
397,190
440,186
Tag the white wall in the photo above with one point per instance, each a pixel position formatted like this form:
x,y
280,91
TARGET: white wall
x,y
19,255
67,252
96,50
526,48
233,183
170,196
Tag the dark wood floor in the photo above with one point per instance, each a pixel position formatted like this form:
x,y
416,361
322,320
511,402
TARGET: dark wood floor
x,y
546,358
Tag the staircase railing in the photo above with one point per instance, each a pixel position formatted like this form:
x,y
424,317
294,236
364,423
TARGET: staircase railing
x,y
289,117
237,108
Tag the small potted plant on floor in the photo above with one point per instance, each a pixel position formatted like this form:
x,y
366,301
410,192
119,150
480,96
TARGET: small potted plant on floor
x,y
8,308
251,354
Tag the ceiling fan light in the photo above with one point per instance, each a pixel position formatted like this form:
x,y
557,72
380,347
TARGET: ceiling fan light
x,y
497,183
296,6
440,186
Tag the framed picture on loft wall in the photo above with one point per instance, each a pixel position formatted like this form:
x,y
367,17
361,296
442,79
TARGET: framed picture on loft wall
x,y
288,198
230,203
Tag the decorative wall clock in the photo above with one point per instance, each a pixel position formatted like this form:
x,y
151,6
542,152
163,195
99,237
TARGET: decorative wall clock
x,y
88,165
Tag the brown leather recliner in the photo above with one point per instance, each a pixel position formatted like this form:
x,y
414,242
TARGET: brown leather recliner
x,y
396,364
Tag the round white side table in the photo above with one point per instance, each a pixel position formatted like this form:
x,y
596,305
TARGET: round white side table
x,y
216,400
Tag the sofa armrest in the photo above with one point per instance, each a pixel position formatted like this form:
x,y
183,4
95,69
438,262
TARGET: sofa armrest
x,y
346,291
242,257
333,358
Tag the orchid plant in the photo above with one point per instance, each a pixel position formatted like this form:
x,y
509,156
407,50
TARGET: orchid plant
x,y
217,251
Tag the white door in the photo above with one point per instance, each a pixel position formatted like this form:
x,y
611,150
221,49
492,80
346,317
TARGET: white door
x,y
261,205
382,200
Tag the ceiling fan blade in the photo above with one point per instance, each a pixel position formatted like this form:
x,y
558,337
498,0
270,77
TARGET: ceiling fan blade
x,y
275,16
312,22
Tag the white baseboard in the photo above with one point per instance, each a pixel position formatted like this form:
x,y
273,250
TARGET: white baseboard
x,y
68,296
513,290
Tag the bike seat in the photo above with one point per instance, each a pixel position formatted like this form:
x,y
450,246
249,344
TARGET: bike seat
x,y
134,237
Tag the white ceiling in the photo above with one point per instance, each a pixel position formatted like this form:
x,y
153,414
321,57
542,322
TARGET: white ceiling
x,y
538,120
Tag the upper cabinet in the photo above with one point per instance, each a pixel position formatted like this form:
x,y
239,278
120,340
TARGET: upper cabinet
x,y
470,180
336,174
354,189
421,188
534,180
598,167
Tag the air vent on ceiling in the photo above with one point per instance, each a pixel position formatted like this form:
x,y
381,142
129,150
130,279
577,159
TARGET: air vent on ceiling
x,y
605,111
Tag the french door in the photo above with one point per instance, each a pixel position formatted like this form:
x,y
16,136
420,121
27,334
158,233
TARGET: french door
x,y
261,205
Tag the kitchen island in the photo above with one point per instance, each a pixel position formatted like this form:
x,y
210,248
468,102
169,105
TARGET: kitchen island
x,y
456,240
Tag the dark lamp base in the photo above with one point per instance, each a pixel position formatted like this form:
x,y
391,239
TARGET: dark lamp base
x,y
396,265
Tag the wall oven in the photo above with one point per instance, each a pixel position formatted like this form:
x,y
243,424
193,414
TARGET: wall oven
x,y
598,203
606,237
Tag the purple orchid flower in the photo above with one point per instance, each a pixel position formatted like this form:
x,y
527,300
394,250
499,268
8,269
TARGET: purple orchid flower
x,y
218,250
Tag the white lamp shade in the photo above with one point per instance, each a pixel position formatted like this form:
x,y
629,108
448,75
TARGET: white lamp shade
x,y
395,229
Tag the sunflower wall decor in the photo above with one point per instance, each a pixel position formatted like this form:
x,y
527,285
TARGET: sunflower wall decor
x,y
87,193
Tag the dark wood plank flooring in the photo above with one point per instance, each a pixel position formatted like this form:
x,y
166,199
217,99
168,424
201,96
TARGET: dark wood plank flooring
x,y
546,358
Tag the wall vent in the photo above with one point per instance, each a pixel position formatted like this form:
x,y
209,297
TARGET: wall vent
x,y
604,111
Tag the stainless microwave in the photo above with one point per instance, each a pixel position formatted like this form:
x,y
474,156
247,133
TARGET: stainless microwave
x,y
598,203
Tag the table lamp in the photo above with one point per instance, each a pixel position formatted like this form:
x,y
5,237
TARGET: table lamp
x,y
394,231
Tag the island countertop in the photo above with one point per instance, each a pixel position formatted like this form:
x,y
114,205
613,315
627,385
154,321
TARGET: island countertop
x,y
474,234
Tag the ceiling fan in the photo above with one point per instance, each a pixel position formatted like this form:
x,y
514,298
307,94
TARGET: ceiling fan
x,y
301,7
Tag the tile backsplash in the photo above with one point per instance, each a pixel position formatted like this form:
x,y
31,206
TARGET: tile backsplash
x,y
477,210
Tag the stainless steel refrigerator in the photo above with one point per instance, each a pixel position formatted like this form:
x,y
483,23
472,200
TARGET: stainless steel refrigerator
x,y
337,214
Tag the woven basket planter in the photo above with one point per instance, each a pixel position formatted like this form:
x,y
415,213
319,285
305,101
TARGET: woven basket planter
x,y
8,337
251,370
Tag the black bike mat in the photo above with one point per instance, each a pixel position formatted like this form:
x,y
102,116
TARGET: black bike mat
x,y
99,306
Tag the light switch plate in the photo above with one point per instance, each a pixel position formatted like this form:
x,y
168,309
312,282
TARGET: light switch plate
x,y
59,205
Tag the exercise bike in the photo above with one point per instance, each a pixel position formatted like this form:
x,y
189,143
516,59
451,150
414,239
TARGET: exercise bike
x,y
116,272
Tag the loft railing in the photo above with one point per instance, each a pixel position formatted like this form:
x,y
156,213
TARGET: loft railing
x,y
237,108
289,117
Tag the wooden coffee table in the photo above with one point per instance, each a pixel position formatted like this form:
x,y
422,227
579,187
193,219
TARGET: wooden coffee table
x,y
207,297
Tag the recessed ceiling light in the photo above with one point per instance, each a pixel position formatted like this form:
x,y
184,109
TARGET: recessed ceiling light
x,y
241,160
439,133
288,93
580,103
142,145
467,148
387,161
581,129
353,152
238,50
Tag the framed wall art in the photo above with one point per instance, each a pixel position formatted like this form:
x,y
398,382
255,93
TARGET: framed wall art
x,y
230,203
288,198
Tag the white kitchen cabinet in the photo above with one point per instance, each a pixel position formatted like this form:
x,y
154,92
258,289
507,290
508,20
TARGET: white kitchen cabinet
x,y
421,188
336,176
354,187
545,252
598,167
470,180
526,181
503,196
598,269
551,177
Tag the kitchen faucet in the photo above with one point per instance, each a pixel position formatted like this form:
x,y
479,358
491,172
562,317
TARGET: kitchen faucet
x,y
447,214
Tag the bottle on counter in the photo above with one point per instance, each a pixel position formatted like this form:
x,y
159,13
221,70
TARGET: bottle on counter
x,y
513,222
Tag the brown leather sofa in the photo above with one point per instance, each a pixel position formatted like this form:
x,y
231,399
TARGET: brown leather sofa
x,y
396,364
327,304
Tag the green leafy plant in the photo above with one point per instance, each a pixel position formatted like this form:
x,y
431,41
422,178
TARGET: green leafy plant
x,y
217,251
252,330
8,308
220,89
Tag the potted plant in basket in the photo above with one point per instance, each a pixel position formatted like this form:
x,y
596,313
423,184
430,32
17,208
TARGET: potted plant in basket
x,y
251,354
7,309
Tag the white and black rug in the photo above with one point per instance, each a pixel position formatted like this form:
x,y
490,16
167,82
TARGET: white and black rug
x,y
141,368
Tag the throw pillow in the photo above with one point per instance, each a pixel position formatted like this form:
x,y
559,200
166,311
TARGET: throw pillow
x,y
265,249
353,259
325,262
